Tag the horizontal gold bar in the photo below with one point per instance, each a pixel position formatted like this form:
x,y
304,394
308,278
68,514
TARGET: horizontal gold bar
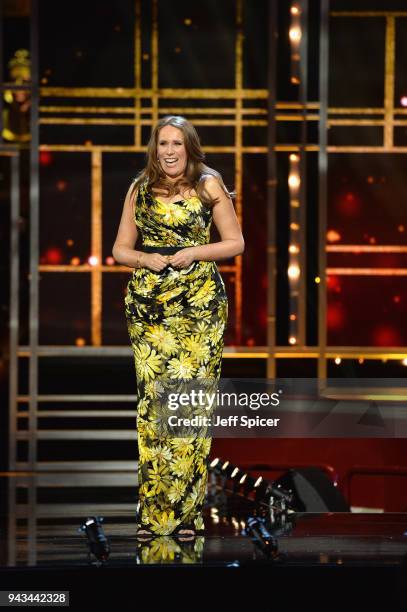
x,y
297,105
111,121
357,110
297,117
367,271
129,110
313,352
142,149
355,122
132,92
228,149
363,248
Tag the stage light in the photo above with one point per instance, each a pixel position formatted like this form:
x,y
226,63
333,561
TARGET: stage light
x,y
403,100
293,272
292,340
224,466
404,362
243,479
333,236
62,185
97,542
93,260
53,256
294,181
317,280
338,360
215,463
46,158
293,248
335,317
75,261
295,34
248,485
261,490
229,470
257,530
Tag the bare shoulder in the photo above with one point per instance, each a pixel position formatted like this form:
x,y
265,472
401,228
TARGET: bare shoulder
x,y
213,186
132,194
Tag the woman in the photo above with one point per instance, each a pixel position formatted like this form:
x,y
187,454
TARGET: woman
x,y
176,310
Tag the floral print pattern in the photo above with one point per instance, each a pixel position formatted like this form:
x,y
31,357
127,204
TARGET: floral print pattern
x,y
176,321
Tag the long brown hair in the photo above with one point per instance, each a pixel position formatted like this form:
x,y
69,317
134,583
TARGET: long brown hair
x,y
196,170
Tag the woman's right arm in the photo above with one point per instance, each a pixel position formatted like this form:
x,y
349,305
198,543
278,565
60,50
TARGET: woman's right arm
x,y
123,248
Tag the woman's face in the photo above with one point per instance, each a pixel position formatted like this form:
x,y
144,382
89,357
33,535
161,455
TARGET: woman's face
x,y
171,151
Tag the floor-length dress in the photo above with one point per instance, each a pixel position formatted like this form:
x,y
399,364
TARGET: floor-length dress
x,y
176,319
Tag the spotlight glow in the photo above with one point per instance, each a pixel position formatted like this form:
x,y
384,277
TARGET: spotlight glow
x,y
295,34
294,180
293,271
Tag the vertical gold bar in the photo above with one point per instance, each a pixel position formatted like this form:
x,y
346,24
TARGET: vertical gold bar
x,y
137,73
389,82
154,63
238,159
96,249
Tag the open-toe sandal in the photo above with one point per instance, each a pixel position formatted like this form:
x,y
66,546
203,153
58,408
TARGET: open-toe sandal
x,y
185,537
144,533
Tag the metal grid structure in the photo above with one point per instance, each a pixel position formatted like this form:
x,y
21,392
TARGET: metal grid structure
x,y
304,111
239,116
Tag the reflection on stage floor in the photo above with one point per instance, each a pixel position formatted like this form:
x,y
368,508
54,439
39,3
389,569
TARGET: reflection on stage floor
x,y
43,525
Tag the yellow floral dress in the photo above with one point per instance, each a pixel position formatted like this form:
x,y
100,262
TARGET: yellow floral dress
x,y
176,319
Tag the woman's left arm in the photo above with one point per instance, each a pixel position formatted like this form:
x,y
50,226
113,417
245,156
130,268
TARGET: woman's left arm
x,y
227,224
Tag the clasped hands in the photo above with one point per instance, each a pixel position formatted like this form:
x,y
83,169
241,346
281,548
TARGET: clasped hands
x,y
157,262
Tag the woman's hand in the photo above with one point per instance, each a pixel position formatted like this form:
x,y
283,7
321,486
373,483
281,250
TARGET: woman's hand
x,y
153,261
182,258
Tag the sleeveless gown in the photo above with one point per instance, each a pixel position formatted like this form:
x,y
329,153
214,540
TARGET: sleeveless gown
x,y
176,319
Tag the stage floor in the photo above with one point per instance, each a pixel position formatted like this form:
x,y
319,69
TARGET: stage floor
x,y
40,527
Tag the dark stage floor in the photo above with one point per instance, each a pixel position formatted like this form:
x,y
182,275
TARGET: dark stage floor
x,y
42,547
